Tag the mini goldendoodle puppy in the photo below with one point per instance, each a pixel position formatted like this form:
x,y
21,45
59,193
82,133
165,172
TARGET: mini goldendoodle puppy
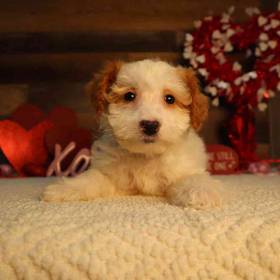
x,y
149,113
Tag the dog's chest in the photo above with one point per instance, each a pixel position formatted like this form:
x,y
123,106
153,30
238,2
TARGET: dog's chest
x,y
145,175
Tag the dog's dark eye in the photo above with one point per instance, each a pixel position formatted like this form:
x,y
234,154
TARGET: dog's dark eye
x,y
129,96
170,99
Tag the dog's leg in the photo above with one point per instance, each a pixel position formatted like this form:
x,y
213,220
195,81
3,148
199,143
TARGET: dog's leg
x,y
197,191
89,185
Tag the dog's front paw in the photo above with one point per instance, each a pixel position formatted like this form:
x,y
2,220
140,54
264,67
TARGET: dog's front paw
x,y
198,197
61,192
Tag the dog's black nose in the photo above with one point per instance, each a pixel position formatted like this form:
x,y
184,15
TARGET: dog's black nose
x,y
149,127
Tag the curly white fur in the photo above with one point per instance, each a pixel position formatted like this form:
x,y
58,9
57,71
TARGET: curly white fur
x,y
173,163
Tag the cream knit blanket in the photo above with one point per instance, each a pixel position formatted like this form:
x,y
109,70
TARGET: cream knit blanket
x,y
140,237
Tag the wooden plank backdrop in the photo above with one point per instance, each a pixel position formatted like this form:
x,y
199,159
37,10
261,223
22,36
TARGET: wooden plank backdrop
x,y
95,41
92,15
53,67
67,40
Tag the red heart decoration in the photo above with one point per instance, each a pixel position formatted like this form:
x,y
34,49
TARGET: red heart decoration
x,y
28,115
64,135
66,130
63,116
34,170
22,147
31,136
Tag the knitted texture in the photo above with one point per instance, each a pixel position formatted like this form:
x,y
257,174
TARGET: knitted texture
x,y
140,237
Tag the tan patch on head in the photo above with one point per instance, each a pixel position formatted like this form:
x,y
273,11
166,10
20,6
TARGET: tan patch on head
x,y
99,87
199,104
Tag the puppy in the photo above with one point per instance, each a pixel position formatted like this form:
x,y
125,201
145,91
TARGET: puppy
x,y
150,112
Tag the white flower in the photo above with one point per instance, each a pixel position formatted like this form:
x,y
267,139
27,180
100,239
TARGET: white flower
x,y
236,66
253,75
258,52
222,84
217,34
263,37
263,46
274,23
200,58
225,26
193,62
252,11
271,93
238,81
197,24
221,58
188,53
228,47
225,18
216,102
203,72
189,37
272,44
214,50
275,68
212,90
262,20
262,106
245,78
248,76
267,27
230,32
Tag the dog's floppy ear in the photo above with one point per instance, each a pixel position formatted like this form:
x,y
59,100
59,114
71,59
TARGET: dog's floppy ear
x,y
199,103
100,86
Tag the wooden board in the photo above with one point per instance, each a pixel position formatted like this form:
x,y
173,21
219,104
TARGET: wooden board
x,y
88,15
37,68
77,42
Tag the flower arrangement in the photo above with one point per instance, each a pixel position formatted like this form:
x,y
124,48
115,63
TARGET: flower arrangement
x,y
210,49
